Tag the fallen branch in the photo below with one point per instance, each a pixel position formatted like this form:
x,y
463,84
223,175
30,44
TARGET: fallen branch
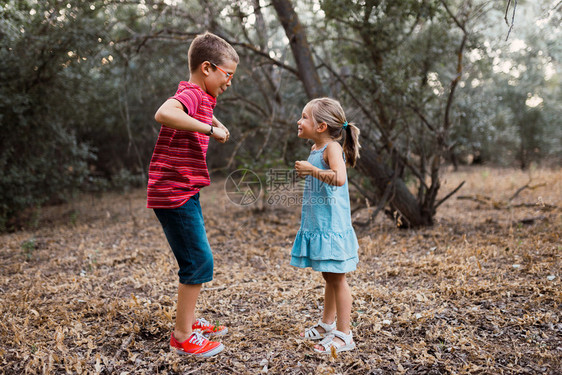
x,y
219,287
124,346
541,206
480,199
503,205
526,186
531,220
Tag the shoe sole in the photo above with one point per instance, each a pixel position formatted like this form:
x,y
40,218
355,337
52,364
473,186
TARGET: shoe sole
x,y
344,348
208,353
216,334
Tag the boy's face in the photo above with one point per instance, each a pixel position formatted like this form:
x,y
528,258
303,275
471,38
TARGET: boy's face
x,y
220,77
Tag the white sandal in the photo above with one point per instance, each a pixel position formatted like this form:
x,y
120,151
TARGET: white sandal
x,y
329,342
312,333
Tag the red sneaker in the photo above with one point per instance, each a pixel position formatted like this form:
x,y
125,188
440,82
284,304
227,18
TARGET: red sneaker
x,y
209,329
196,344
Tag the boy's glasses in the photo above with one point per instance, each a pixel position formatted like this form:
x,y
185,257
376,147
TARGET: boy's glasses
x,y
228,75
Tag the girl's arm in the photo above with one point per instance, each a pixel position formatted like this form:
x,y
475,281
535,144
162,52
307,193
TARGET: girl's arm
x,y
336,175
172,115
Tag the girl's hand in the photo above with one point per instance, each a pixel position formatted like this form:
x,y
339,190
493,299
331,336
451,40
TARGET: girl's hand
x,y
304,168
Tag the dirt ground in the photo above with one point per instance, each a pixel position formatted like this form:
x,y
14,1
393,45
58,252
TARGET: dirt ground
x,y
91,290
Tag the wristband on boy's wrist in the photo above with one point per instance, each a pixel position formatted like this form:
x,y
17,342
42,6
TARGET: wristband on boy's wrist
x,y
211,132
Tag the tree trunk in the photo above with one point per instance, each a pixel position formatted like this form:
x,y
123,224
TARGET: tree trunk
x,y
300,48
405,209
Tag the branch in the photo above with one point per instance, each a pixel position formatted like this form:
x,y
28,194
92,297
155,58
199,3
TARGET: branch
x,y
540,206
502,205
478,198
178,35
237,147
124,345
266,55
531,220
460,25
526,186
361,190
449,195
161,34
455,81
382,202
357,101
374,120
422,117
385,197
506,11
512,16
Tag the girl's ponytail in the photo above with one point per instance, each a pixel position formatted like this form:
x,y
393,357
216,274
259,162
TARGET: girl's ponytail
x,y
351,144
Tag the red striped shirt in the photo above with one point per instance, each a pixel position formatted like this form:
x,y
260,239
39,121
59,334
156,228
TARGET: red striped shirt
x,y
178,168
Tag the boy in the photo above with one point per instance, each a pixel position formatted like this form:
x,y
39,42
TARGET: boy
x,y
178,170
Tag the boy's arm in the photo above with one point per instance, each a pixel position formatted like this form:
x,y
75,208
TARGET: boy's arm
x,y
172,115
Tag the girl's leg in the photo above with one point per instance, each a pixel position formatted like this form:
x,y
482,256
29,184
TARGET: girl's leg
x,y
185,312
329,314
337,283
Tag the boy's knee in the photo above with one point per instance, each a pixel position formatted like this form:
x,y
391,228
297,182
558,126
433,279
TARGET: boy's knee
x,y
205,269
197,272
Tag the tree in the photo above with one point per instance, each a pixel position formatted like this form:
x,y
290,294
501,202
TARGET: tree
x,y
507,112
41,47
398,68
299,45
387,91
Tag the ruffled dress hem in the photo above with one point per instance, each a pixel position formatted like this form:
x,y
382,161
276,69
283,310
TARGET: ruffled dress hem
x,y
326,251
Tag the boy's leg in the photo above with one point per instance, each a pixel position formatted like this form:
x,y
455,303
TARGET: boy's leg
x,y
184,228
185,312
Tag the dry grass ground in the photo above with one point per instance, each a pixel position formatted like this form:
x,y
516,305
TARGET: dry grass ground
x,y
92,289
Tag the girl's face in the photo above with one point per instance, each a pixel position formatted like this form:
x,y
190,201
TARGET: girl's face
x,y
306,126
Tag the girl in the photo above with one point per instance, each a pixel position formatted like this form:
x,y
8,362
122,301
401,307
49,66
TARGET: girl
x,y
326,240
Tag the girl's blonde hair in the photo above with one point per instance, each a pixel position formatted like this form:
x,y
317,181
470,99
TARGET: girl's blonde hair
x,y
330,111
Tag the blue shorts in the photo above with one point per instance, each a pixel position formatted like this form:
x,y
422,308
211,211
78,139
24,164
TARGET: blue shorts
x,y
185,230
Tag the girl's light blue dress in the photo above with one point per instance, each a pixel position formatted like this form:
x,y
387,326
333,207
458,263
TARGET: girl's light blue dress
x,y
326,240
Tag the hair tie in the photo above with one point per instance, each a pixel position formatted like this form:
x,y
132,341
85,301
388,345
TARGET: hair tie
x,y
345,125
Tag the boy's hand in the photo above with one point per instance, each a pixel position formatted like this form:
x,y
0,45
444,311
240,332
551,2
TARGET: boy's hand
x,y
221,126
220,134
304,168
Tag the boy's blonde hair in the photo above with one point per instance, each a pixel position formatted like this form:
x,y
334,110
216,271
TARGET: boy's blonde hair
x,y
330,111
212,48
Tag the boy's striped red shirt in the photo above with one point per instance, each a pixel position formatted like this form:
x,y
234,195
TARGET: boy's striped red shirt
x,y
178,168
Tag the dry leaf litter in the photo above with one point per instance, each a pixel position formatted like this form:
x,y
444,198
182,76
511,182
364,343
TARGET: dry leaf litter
x,y
92,289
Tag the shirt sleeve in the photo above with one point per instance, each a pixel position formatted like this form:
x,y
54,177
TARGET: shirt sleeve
x,y
191,100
